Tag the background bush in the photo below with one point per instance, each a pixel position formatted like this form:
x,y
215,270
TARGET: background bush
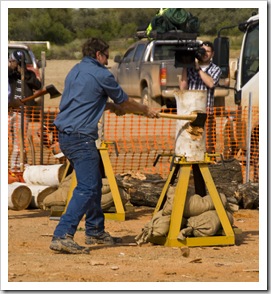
x,y
67,28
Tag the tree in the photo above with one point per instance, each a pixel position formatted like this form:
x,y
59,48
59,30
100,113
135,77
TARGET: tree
x,y
61,26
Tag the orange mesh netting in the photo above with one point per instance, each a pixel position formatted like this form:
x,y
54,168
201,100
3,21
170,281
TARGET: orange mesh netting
x,y
140,141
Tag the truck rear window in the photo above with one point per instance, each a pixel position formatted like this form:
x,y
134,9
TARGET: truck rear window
x,y
164,52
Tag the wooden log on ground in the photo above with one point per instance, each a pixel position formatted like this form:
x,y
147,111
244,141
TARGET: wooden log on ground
x,y
39,193
144,190
248,195
19,196
44,175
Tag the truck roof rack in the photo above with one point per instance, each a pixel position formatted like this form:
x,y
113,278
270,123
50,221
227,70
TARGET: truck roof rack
x,y
170,35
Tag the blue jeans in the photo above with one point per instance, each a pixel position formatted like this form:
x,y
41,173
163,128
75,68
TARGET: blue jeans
x,y
83,155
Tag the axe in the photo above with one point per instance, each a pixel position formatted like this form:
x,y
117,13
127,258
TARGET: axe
x,y
51,89
197,119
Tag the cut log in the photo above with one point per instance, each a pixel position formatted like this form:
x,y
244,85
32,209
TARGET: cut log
x,y
248,195
19,196
144,192
39,193
145,189
226,171
44,175
190,139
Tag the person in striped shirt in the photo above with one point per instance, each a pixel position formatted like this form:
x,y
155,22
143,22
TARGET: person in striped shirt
x,y
204,75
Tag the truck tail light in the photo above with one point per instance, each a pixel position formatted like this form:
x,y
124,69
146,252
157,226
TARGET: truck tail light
x,y
163,75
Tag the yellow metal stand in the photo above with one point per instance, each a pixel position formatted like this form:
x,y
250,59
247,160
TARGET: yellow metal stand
x,y
119,215
184,169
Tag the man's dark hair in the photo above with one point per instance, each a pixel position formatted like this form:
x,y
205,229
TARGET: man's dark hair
x,y
208,44
92,45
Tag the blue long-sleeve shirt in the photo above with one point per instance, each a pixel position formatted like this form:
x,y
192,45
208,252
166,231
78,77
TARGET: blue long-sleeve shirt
x,y
87,88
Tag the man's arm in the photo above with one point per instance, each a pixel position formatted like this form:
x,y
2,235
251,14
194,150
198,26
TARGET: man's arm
x,y
131,106
32,81
124,104
115,108
207,80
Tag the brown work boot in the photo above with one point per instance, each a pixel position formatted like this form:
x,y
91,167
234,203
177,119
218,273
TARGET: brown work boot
x,y
68,245
104,238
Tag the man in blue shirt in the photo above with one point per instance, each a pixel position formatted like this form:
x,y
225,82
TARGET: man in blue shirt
x,y
85,97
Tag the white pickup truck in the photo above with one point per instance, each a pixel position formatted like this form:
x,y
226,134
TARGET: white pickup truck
x,y
149,70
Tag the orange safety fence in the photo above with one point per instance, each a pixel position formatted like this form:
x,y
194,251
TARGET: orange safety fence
x,y
134,142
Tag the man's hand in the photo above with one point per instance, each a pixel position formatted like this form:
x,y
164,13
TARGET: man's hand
x,y
15,103
197,66
151,113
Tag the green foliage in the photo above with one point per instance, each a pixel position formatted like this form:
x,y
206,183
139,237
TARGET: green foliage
x,y
37,49
69,51
64,27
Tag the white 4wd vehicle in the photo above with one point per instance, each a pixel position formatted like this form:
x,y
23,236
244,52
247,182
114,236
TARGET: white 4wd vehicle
x,y
245,128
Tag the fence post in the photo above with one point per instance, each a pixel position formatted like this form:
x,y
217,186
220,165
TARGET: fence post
x,y
248,138
43,60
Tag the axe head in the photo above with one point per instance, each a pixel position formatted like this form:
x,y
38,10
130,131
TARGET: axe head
x,y
54,93
200,120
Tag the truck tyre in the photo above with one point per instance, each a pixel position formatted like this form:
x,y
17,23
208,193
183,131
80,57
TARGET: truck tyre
x,y
147,100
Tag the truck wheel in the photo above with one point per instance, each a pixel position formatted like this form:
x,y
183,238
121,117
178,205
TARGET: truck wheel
x,y
147,100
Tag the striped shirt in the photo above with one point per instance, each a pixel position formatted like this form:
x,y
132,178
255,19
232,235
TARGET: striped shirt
x,y
196,83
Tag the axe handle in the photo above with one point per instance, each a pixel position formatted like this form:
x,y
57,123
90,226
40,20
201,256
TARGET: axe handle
x,y
175,116
36,95
21,141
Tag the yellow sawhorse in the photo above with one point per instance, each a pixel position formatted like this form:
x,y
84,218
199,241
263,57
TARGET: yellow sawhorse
x,y
184,169
119,215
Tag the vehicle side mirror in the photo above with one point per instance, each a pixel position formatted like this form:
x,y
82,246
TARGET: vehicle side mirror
x,y
221,55
117,58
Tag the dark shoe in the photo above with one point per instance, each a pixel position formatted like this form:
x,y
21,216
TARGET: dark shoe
x,y
104,238
67,245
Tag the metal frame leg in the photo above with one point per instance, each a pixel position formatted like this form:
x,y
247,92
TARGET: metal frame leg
x,y
178,209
